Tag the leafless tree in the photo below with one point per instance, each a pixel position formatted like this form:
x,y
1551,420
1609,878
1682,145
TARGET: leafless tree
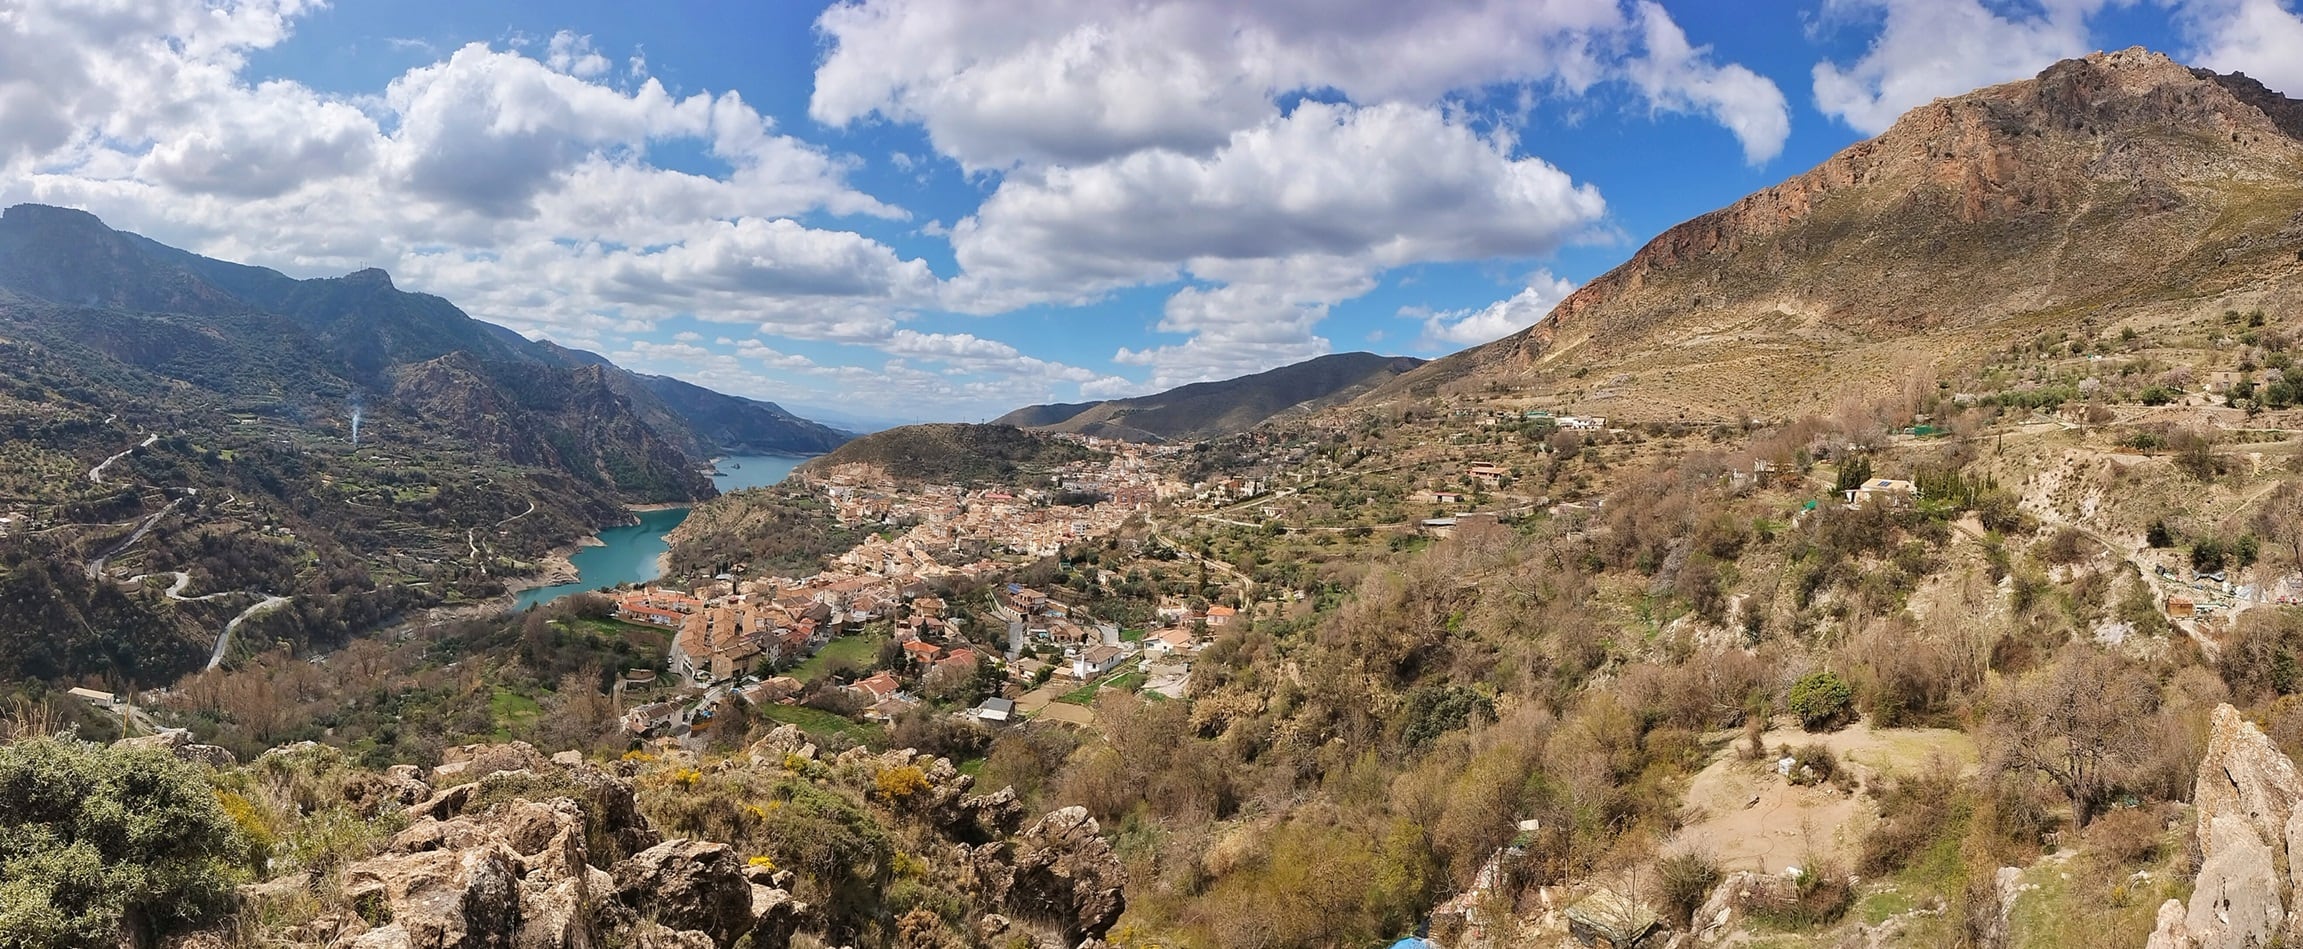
x,y
2281,520
2083,723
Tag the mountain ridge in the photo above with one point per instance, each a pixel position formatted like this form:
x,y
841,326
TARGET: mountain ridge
x,y
1210,409
2087,193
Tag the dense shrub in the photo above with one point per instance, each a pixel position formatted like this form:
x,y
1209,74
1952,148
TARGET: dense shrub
x,y
1682,882
1816,896
1915,812
1812,764
99,843
2127,836
1822,700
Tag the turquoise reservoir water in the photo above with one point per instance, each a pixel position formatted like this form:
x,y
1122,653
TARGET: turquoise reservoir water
x,y
628,553
753,471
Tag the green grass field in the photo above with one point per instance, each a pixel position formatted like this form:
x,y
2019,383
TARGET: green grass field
x,y
1086,694
857,650
816,721
512,711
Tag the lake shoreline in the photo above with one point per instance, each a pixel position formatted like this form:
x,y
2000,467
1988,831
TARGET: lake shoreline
x,y
630,561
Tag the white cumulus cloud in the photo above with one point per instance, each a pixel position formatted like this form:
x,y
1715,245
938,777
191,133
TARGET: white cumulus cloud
x,y
1495,320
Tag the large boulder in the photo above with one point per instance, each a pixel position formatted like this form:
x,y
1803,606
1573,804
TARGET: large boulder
x,y
515,874
688,885
465,763
2249,831
178,742
1065,873
439,899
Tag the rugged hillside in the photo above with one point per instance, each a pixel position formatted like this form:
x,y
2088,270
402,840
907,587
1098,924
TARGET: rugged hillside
x,y
734,425
2119,189
186,439
1211,409
953,453
775,845
373,327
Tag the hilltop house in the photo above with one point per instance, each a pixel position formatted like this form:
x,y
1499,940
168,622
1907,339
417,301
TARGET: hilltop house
x,y
1172,640
994,709
1097,660
1889,490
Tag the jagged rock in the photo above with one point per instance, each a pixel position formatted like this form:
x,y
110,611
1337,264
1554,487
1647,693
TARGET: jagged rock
x,y
2168,933
472,762
652,935
401,786
441,899
178,742
2248,828
445,804
389,937
166,739
1066,873
992,927
990,816
211,755
568,759
775,917
614,809
688,884
783,742
1717,914
1617,919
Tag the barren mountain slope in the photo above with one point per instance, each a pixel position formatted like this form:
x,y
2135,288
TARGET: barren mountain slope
x,y
2122,187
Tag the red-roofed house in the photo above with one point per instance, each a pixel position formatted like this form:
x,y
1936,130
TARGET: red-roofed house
x,y
879,686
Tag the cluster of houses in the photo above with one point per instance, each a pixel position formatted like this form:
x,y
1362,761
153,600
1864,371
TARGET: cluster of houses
x,y
1088,649
728,629
950,530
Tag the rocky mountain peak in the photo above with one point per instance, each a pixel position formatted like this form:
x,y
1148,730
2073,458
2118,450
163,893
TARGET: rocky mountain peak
x,y
2103,178
370,276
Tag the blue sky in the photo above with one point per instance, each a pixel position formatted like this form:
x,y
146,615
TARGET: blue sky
x,y
896,210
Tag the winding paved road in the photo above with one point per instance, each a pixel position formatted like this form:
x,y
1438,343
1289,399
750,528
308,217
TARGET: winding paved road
x,y
96,474
224,640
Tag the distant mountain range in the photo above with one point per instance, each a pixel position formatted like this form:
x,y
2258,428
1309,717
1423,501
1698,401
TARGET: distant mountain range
x,y
1213,409
354,447
371,328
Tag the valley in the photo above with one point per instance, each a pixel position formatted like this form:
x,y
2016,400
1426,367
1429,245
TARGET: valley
x,y
1907,554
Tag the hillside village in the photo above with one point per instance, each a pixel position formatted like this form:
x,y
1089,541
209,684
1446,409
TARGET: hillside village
x,y
735,633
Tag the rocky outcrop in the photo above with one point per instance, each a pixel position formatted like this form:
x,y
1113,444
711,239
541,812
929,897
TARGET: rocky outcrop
x,y
473,762
520,850
688,885
443,899
1060,877
2249,830
178,742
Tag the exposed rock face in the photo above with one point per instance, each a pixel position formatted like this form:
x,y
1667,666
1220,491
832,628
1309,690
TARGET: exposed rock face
x,y
178,742
2078,192
2249,828
473,762
689,885
1058,875
522,851
443,899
